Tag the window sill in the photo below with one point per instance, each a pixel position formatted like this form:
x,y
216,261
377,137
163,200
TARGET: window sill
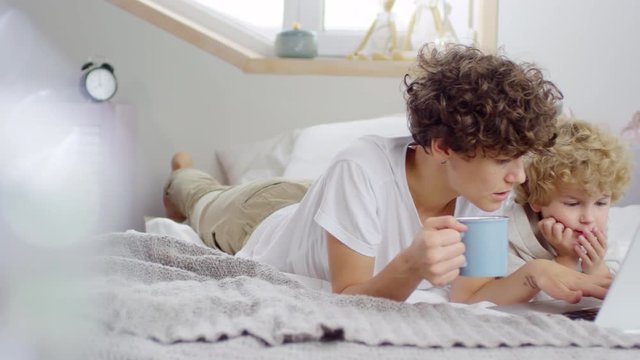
x,y
327,66
252,61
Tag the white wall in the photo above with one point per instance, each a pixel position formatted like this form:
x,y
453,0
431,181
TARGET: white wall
x,y
186,99
589,48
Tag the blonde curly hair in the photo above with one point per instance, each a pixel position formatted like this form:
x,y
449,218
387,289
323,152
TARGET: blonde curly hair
x,y
584,155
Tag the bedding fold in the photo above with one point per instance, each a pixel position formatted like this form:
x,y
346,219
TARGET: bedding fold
x,y
161,288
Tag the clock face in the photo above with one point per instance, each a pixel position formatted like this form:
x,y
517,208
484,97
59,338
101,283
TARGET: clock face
x,y
100,84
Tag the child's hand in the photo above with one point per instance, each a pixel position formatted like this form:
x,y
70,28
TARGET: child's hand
x,y
591,249
560,238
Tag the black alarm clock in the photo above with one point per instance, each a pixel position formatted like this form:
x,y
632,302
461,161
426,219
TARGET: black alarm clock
x,y
98,81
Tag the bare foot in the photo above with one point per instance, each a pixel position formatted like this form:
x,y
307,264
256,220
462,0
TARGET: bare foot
x,y
181,160
178,161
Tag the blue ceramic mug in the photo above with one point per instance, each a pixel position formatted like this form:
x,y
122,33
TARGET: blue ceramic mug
x,y
486,245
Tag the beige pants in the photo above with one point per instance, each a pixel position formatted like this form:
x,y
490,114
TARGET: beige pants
x,y
231,215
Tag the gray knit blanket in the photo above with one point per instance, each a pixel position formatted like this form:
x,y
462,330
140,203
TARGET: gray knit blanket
x,y
162,290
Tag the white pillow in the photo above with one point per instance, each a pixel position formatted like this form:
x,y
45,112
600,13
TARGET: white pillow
x,y
316,145
262,159
632,195
623,225
164,226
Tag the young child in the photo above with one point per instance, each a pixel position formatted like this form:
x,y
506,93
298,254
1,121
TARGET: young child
x,y
560,214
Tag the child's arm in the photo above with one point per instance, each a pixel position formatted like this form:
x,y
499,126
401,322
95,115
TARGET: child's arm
x,y
561,239
590,248
556,280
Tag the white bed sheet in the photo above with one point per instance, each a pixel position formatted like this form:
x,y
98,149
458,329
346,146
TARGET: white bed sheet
x,y
165,226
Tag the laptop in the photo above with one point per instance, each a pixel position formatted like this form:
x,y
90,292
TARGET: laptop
x,y
619,309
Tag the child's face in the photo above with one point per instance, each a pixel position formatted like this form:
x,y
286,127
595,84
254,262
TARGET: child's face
x,y
486,181
576,209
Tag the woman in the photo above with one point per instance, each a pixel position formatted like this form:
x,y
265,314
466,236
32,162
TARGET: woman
x,y
381,219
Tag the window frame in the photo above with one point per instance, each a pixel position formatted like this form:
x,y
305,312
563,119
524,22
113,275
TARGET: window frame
x,y
252,51
332,43
335,43
217,22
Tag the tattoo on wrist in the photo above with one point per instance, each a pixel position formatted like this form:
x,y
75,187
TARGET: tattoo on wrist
x,y
530,281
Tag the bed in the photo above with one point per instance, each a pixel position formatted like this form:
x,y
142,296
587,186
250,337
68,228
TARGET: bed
x,y
162,294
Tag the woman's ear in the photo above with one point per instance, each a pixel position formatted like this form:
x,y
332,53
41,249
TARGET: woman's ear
x,y
440,150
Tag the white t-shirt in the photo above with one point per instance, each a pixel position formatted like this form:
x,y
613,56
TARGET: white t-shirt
x,y
362,199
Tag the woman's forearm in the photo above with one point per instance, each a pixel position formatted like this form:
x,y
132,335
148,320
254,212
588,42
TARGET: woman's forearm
x,y
520,286
396,281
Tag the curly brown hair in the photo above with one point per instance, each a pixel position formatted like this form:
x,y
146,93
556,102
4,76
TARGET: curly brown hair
x,y
584,155
480,103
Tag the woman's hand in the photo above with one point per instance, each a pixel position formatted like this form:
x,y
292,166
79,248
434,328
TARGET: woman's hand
x,y
436,253
557,281
562,283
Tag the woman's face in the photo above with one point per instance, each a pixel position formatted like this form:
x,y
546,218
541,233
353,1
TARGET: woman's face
x,y
485,181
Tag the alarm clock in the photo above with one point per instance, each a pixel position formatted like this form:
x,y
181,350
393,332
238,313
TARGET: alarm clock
x,y
98,81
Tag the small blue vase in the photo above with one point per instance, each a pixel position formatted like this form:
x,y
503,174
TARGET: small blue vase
x,y
296,43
